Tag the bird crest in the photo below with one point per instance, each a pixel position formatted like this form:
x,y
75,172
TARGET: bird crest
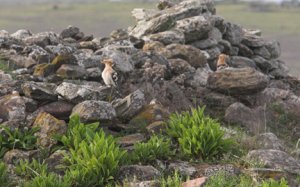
x,y
108,61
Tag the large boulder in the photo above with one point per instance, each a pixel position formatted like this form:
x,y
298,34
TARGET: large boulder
x,y
252,119
40,91
169,37
241,81
129,106
276,159
78,93
137,172
91,111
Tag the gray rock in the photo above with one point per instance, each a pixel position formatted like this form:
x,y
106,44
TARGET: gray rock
x,y
179,66
200,77
252,40
155,25
129,106
269,141
88,60
5,77
42,39
4,34
40,91
78,93
241,81
276,159
91,111
55,160
131,139
38,54
168,37
263,52
195,57
70,32
213,53
234,33
60,49
241,62
183,168
253,119
205,44
274,49
137,172
69,71
21,34
15,155
194,28
245,51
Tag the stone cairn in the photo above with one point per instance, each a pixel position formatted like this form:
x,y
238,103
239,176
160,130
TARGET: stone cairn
x,y
168,63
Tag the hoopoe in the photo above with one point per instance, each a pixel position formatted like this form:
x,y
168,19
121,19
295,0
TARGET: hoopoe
x,y
109,75
221,64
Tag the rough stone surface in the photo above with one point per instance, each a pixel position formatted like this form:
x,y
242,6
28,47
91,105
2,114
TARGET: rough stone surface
x,y
91,111
276,159
244,81
40,91
269,141
138,172
184,168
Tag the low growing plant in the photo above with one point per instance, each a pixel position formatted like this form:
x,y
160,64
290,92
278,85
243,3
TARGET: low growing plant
x,y
94,161
199,136
4,180
223,179
155,148
172,181
29,170
273,183
48,180
17,139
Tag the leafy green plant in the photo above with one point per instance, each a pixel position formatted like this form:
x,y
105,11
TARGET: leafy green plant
x,y
273,183
17,139
94,161
223,179
77,132
155,148
29,170
198,136
4,180
172,181
48,180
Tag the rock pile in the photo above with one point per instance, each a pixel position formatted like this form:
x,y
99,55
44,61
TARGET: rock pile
x,y
169,57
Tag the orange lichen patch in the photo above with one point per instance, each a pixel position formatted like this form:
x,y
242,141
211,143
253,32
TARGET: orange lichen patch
x,y
44,70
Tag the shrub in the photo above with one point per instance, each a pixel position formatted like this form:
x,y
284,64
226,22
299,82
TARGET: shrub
x,y
172,181
94,161
77,132
155,148
17,139
273,183
198,136
48,180
4,180
31,169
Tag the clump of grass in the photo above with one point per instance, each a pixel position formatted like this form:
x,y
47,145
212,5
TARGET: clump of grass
x,y
156,148
199,136
223,179
273,183
48,180
172,181
28,170
4,180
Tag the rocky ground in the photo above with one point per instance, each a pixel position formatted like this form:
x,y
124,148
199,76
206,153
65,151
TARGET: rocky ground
x,y
167,62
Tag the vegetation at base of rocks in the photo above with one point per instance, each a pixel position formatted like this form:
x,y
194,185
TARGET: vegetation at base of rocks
x,y
156,148
28,170
223,179
4,66
77,132
47,180
4,180
17,139
273,183
174,180
94,157
198,136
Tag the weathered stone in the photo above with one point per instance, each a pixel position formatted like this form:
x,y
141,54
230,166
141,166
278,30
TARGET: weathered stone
x,y
200,77
60,49
232,81
15,155
137,172
129,106
269,141
40,91
183,168
241,62
49,126
274,49
87,45
21,34
78,93
88,60
158,24
70,32
152,183
194,28
205,44
42,39
211,170
70,71
195,57
156,127
91,111
4,34
5,77
131,139
252,40
245,51
179,66
55,160
263,52
252,119
266,173
198,182
59,109
168,37
217,100
275,159
234,33
38,54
